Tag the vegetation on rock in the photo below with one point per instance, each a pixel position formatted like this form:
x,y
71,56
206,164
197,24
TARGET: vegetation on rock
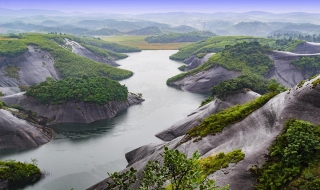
x,y
293,161
214,163
181,173
12,71
308,65
18,173
217,122
249,58
96,90
12,48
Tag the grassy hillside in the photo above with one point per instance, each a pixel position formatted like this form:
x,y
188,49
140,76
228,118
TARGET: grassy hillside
x,y
217,44
67,63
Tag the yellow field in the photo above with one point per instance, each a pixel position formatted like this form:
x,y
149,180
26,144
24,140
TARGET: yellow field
x,y
138,41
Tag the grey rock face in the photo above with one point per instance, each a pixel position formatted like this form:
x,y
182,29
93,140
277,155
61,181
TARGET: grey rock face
x,y
196,62
72,112
195,118
253,135
9,90
204,81
17,133
35,65
307,48
80,50
285,73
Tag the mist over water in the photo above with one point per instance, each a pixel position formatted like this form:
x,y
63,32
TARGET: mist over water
x,y
82,154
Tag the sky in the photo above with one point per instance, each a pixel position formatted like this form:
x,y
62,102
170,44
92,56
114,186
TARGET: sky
x,y
155,6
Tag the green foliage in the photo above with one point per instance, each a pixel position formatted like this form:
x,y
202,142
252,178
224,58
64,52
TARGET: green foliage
x,y
249,58
71,65
293,150
206,101
182,67
105,53
1,94
93,90
242,83
218,43
17,107
212,164
308,65
12,71
2,104
217,122
19,173
181,172
201,55
180,37
12,48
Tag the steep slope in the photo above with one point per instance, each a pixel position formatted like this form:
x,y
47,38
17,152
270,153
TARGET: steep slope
x,y
32,67
17,133
194,61
82,51
253,135
196,117
72,112
285,73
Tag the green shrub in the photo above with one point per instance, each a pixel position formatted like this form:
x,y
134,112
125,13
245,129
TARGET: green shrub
x,y
12,48
1,94
212,164
217,122
12,71
182,67
96,90
308,65
19,173
295,150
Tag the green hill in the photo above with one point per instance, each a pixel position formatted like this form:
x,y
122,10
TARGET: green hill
x,y
180,37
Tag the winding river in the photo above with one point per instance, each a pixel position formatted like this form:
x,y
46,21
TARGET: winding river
x,y
82,154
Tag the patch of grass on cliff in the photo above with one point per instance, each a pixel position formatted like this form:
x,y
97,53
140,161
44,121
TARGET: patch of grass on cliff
x,y
69,64
12,48
294,159
1,94
12,71
105,53
18,173
212,164
249,58
217,122
2,104
96,90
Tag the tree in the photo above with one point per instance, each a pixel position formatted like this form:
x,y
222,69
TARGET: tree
x,y
181,173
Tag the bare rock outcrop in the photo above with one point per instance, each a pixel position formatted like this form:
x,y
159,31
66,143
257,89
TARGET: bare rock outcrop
x,y
253,135
33,67
194,62
72,112
195,118
18,133
205,80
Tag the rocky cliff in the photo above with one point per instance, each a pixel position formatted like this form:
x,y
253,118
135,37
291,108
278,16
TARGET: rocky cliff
x,y
32,67
72,112
194,62
18,133
253,135
285,73
82,51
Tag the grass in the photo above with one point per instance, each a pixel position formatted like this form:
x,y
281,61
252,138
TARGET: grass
x,y
215,123
139,42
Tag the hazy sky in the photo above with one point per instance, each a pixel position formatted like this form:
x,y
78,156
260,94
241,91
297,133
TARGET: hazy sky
x,y
147,6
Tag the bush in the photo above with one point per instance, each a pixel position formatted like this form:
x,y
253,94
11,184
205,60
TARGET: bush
x,y
96,90
18,173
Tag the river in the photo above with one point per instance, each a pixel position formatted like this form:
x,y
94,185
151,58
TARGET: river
x,y
80,155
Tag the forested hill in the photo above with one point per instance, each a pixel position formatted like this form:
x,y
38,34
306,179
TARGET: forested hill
x,y
66,63
180,37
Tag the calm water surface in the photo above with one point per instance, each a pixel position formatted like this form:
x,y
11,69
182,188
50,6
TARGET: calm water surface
x,y
82,154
